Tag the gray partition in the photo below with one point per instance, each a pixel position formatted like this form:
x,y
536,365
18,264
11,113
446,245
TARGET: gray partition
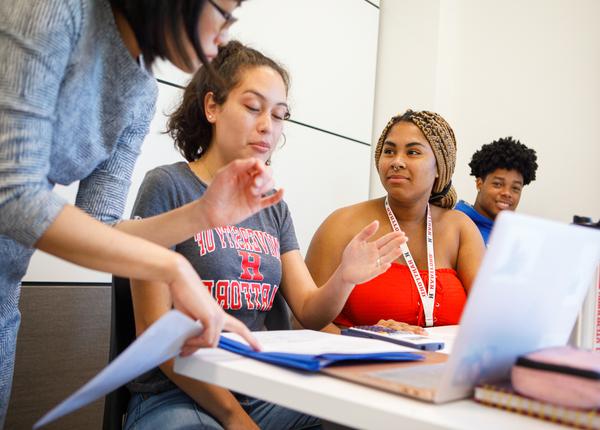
x,y
63,342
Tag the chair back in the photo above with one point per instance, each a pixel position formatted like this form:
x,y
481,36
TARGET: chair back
x,y
122,334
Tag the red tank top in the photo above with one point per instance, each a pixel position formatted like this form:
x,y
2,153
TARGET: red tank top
x,y
393,295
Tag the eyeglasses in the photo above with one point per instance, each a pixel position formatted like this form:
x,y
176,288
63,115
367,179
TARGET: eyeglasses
x,y
229,18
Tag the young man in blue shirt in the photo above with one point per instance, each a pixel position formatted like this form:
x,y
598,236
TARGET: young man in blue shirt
x,y
501,168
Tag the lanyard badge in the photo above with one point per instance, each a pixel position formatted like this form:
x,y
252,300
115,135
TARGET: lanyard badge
x,y
427,296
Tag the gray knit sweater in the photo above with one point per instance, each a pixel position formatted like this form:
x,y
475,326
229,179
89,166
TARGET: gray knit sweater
x,y
74,105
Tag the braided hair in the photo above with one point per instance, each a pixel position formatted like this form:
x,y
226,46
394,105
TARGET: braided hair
x,y
441,138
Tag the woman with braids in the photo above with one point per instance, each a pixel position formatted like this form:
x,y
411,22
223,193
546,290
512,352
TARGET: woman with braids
x,y
429,283
501,169
76,99
247,265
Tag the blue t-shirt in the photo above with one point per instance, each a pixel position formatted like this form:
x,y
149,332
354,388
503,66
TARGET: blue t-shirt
x,y
483,223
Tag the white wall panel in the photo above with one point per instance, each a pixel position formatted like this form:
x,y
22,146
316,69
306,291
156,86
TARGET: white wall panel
x,y
329,47
530,70
495,69
406,65
319,173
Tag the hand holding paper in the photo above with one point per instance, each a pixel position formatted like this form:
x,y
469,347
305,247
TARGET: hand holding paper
x,y
161,342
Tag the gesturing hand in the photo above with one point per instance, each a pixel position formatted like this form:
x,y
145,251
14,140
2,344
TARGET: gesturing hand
x,y
195,301
237,192
363,260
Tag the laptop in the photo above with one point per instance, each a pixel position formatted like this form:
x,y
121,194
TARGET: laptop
x,y
526,296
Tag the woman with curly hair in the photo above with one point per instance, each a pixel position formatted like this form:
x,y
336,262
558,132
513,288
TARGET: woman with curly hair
x,y
501,168
428,285
245,266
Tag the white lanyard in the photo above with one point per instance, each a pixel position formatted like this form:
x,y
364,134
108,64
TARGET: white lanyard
x,y
427,296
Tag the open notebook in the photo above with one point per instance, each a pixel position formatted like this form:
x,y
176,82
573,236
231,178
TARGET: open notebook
x,y
312,350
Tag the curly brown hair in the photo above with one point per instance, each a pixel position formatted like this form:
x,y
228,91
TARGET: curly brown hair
x,y
188,125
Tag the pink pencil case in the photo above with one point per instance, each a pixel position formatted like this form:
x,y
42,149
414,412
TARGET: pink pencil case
x,y
563,376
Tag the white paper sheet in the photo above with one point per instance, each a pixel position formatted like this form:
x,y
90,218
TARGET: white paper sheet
x,y
162,341
317,342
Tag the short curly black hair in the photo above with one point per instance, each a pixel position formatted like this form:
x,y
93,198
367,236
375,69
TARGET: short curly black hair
x,y
504,153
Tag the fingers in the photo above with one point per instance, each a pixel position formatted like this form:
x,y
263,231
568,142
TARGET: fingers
x,y
272,199
253,172
402,326
210,336
367,232
261,176
191,345
251,165
185,351
196,342
397,236
200,305
262,179
204,340
263,183
391,250
236,326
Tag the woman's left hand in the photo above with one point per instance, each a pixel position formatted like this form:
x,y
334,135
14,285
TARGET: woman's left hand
x,y
402,326
363,260
237,191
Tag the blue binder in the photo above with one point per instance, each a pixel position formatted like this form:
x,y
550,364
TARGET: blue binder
x,y
313,363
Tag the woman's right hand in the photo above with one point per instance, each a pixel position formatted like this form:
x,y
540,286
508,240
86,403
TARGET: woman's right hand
x,y
237,191
191,297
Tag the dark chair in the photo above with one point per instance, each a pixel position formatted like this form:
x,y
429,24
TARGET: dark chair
x,y
122,333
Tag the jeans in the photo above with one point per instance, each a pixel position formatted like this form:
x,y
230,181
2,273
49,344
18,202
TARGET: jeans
x,y
175,410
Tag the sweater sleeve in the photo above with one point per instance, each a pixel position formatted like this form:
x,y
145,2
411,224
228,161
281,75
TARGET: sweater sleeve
x,y
36,40
103,193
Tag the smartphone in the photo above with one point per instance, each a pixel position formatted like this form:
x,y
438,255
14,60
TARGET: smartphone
x,y
404,338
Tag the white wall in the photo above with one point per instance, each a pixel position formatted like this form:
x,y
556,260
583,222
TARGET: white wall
x,y
493,69
329,47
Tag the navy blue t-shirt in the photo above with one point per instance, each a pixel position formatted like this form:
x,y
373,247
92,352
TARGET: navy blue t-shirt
x,y
239,264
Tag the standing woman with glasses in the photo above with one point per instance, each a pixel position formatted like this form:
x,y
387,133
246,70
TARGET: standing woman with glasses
x,y
76,100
